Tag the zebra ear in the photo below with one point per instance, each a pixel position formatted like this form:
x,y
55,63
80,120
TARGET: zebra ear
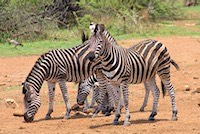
x,y
26,86
24,90
92,27
101,27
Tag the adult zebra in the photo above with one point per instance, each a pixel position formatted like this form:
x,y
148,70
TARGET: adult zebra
x,y
125,66
59,65
85,86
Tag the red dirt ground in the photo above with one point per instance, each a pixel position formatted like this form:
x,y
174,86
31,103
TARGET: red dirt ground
x,y
184,50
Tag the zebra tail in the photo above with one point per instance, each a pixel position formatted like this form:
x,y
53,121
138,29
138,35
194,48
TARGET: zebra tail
x,y
175,64
163,89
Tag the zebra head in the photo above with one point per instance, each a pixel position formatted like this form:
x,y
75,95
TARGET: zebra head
x,y
83,91
96,41
31,102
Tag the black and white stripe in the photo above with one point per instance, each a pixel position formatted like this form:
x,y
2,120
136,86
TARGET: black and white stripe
x,y
84,88
125,66
59,65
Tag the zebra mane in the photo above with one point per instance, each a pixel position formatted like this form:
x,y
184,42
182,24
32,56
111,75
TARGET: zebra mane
x,y
101,29
109,38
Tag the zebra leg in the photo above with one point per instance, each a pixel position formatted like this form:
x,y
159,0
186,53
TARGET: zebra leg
x,y
51,87
100,106
168,85
147,90
117,99
63,87
102,91
86,105
94,97
151,84
124,87
105,104
110,101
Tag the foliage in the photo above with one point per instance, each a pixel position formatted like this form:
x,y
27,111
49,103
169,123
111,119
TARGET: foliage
x,y
29,20
126,16
21,19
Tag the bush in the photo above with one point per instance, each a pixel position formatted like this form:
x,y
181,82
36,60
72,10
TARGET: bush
x,y
35,19
22,20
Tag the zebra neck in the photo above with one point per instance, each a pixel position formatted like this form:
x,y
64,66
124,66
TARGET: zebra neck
x,y
113,58
36,82
114,63
38,74
109,38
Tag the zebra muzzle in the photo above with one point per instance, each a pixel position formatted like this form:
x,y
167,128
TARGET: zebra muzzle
x,y
27,118
80,103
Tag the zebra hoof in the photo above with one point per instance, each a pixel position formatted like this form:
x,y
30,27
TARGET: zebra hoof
x,y
66,117
115,123
141,109
127,123
94,115
47,117
85,110
151,118
174,118
107,114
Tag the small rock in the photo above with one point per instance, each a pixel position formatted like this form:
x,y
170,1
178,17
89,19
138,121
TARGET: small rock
x,y
2,84
18,113
195,77
187,88
11,103
21,127
199,104
198,90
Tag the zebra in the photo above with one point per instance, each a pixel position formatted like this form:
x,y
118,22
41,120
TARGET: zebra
x,y
58,65
83,91
85,85
121,66
90,82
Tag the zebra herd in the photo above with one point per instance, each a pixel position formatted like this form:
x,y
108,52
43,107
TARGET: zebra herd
x,y
101,60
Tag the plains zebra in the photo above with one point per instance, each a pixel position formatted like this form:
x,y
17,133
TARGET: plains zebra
x,y
90,82
84,88
124,66
85,85
59,65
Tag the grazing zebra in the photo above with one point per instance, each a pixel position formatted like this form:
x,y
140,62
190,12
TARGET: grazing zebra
x,y
122,66
59,65
83,91
90,82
